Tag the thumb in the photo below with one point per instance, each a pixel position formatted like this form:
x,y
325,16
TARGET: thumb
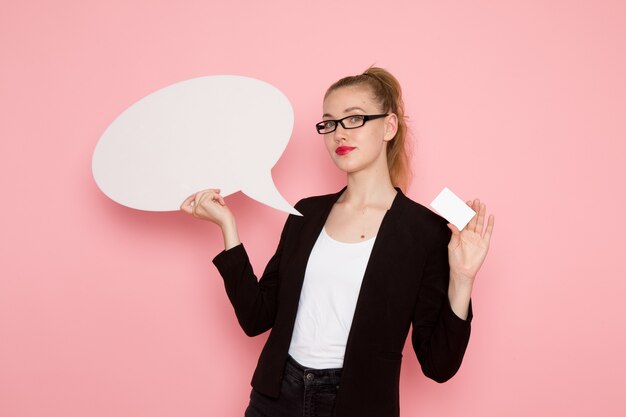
x,y
455,239
186,206
455,230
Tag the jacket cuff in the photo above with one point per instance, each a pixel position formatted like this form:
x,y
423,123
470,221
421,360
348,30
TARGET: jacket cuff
x,y
454,321
226,260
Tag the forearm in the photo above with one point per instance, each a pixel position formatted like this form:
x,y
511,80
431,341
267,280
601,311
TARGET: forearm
x,y
254,300
230,234
459,295
441,332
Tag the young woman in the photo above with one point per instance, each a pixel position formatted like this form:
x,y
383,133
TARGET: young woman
x,y
354,272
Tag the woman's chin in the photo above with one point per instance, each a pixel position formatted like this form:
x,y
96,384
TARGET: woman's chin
x,y
343,166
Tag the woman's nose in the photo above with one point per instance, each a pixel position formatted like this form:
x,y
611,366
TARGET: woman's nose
x,y
339,133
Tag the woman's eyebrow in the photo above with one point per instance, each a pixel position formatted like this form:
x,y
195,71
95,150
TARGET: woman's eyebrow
x,y
348,110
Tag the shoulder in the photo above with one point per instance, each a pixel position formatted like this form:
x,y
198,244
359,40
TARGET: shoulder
x,y
313,204
419,218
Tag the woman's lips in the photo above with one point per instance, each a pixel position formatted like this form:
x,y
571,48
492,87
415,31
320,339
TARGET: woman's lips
x,y
344,150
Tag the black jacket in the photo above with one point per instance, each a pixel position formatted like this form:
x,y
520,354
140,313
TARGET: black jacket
x,y
405,283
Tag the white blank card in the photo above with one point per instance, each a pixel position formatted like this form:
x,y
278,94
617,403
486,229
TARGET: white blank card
x,y
452,208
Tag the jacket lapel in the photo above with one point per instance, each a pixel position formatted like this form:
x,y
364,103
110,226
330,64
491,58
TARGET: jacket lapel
x,y
311,228
382,253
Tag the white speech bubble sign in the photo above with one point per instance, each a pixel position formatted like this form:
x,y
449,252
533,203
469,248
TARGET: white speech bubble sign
x,y
220,131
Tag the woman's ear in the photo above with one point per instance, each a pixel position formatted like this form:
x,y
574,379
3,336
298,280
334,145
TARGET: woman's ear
x,y
391,127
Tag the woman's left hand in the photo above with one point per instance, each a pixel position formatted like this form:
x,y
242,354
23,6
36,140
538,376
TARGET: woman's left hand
x,y
468,248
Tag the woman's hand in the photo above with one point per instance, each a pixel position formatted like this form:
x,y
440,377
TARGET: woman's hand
x,y
468,248
207,205
210,205
466,252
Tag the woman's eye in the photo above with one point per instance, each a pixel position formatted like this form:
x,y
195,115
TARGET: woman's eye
x,y
356,120
329,124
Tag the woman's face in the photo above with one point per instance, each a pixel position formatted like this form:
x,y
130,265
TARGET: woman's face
x,y
363,148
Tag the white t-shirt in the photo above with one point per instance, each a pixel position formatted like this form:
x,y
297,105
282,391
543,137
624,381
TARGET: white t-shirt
x,y
332,282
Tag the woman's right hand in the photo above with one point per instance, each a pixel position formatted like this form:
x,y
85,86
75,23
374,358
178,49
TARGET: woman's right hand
x,y
208,205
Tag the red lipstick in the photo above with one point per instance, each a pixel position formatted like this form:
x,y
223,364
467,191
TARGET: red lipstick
x,y
344,150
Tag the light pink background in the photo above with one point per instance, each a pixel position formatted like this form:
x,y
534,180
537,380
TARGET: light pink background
x,y
107,311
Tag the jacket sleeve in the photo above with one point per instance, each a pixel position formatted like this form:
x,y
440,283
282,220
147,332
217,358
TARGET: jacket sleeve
x,y
254,301
439,336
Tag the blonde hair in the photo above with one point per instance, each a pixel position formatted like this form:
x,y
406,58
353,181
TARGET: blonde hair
x,y
388,93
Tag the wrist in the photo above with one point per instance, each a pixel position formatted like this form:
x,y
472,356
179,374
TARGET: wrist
x,y
230,234
227,224
461,277
460,288
459,296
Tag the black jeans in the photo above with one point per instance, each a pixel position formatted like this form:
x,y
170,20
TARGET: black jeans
x,y
304,392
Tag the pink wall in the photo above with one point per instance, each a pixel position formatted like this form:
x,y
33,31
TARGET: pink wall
x,y
107,311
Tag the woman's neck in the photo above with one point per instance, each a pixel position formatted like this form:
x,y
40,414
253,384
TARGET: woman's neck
x,y
369,189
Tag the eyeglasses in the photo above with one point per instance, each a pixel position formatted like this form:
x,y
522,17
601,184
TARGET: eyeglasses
x,y
348,122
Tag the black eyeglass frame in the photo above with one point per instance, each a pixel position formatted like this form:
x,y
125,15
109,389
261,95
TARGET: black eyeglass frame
x,y
366,118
